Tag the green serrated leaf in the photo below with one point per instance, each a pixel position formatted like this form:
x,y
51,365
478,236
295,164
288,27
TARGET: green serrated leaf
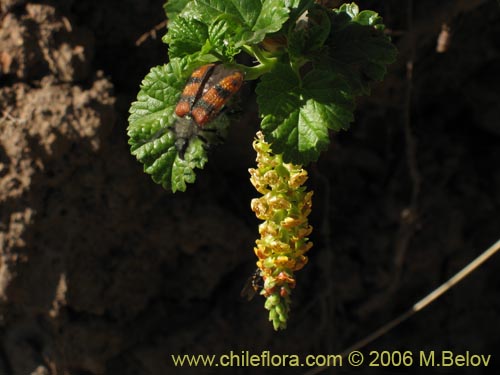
x,y
348,51
153,125
183,168
278,92
185,37
160,143
297,113
272,16
153,110
243,12
327,87
245,22
297,43
219,43
305,143
174,7
319,27
309,34
301,136
357,49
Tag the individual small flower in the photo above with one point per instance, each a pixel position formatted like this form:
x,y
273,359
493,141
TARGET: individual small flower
x,y
284,207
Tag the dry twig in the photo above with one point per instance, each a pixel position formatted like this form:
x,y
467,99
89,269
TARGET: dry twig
x,y
151,33
420,305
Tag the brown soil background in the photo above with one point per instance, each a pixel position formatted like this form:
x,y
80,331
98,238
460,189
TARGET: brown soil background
x,y
103,272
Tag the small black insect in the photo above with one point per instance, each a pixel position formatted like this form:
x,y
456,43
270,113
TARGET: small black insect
x,y
253,284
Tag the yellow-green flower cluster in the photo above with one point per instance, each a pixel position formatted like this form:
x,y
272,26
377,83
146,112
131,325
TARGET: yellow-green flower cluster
x,y
284,207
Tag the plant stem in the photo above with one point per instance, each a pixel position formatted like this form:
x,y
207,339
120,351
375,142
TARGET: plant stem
x,y
266,63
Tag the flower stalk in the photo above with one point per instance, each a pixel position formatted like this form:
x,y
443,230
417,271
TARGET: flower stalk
x,y
283,207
